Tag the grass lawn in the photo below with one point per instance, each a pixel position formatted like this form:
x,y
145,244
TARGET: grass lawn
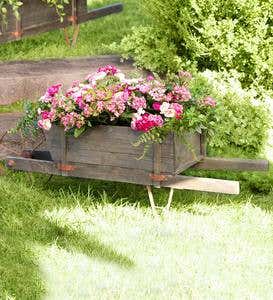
x,y
94,38
83,239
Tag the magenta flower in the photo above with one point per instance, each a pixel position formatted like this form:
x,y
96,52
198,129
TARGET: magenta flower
x,y
150,77
109,70
53,90
146,122
156,106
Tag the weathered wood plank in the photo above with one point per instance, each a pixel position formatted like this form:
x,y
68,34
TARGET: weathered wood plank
x,y
80,170
187,151
203,184
37,17
18,78
108,145
124,175
101,12
215,163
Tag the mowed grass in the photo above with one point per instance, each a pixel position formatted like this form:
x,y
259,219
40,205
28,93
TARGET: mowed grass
x,y
95,36
86,239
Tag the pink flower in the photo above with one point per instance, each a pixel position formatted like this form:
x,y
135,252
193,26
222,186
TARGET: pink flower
x,y
150,77
158,93
117,105
53,90
178,110
109,70
138,102
156,106
44,124
146,122
209,101
181,93
100,106
44,114
143,88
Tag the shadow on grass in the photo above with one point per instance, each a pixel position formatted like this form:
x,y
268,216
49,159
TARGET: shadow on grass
x,y
256,188
23,225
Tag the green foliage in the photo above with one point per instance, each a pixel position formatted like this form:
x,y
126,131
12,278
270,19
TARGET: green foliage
x,y
4,5
242,120
151,50
225,34
28,124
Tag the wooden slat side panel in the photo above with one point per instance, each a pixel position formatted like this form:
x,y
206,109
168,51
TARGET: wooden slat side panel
x,y
81,7
38,18
35,12
187,151
120,159
215,163
203,184
54,139
107,145
113,145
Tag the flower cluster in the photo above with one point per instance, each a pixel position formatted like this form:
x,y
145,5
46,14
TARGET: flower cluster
x,y
108,97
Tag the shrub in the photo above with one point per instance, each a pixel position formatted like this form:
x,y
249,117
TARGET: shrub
x,y
224,34
243,120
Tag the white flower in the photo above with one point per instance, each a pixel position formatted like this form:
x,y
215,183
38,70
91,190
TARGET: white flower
x,y
255,102
141,111
166,110
120,76
44,124
99,76
39,111
138,114
131,81
47,124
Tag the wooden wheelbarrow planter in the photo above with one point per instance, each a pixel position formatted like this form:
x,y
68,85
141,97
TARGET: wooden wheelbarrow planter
x,y
107,153
37,17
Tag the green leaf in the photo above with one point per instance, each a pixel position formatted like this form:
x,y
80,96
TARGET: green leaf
x,y
79,131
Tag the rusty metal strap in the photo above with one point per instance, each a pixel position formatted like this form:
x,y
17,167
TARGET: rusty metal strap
x,y
73,18
65,167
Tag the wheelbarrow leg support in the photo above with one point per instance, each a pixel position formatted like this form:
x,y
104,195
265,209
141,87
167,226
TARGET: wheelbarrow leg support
x,y
71,42
151,198
152,202
170,199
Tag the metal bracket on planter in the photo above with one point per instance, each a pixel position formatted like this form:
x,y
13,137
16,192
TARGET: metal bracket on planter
x,y
65,167
158,177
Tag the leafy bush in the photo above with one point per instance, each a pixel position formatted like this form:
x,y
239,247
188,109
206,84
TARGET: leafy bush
x,y
224,34
243,120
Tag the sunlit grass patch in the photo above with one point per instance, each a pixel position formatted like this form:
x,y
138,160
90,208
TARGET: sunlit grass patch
x,y
84,239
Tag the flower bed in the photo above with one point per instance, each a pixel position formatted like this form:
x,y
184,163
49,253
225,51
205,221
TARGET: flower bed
x,y
152,106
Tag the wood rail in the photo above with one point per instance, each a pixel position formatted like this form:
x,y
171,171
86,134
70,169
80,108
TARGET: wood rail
x,y
216,163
